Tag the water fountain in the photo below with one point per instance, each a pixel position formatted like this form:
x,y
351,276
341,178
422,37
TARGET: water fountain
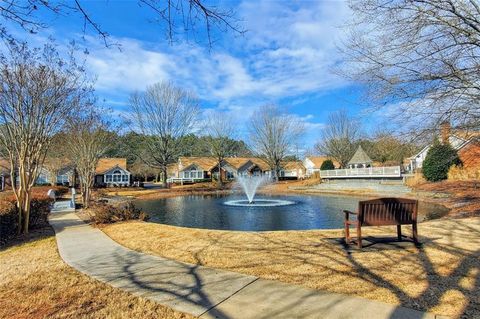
x,y
250,185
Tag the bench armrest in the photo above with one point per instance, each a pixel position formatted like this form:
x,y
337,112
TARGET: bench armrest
x,y
347,215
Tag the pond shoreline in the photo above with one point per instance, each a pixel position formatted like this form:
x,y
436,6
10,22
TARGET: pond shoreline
x,y
428,197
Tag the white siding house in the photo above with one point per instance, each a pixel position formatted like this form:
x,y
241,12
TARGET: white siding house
x,y
453,138
116,176
313,163
112,172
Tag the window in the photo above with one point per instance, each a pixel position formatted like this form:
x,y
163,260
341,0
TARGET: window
x,y
117,176
42,179
62,179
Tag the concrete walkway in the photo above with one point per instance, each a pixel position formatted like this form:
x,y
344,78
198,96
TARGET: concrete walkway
x,y
202,291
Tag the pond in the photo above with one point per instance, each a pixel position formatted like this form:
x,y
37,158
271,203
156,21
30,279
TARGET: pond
x,y
306,212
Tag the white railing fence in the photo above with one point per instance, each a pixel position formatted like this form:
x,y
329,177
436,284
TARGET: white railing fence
x,y
390,171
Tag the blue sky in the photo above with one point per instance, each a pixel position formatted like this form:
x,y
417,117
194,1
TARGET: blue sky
x,y
286,57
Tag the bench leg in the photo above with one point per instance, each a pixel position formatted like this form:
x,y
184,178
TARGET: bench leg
x,y
347,233
359,236
414,232
399,232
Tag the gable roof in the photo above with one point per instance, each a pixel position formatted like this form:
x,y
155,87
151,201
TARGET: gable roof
x,y
239,162
292,165
105,164
318,161
115,168
360,157
208,163
204,163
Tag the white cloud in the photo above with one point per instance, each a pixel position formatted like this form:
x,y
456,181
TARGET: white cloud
x,y
288,52
131,68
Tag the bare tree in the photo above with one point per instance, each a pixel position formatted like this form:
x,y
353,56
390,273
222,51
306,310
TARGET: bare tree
x,y
420,58
163,114
88,140
139,168
339,137
38,91
179,16
220,130
385,147
273,135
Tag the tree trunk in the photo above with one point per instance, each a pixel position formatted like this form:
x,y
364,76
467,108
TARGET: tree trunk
x,y
74,178
20,205
219,180
26,212
164,176
276,173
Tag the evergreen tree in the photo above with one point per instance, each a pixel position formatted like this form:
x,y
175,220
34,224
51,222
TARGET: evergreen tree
x,y
439,159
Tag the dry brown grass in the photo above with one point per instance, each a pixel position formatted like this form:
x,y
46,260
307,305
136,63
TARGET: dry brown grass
x,y
36,283
464,196
175,190
415,180
442,277
458,173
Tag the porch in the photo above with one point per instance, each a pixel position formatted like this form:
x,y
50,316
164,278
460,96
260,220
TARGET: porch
x,y
368,172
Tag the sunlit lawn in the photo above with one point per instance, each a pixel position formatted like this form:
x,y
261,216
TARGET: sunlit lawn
x,y
443,277
36,283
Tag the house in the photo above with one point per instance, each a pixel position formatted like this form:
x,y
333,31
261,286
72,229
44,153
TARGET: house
x,y
5,173
112,172
56,171
292,170
467,144
197,169
360,159
312,164
109,172
246,166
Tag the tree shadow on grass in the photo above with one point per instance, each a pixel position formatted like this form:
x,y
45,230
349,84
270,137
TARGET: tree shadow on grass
x,y
424,278
37,233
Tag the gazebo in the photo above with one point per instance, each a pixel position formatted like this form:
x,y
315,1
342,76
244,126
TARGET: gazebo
x,y
360,159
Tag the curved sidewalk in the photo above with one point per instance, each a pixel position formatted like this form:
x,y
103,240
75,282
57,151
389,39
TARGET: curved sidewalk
x,y
202,291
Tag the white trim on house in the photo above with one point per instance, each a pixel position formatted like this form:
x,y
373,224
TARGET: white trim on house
x,y
116,176
192,172
310,167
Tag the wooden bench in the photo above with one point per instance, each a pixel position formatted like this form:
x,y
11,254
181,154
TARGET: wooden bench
x,y
383,212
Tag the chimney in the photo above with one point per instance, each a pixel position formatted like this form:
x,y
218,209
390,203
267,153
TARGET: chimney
x,y
445,130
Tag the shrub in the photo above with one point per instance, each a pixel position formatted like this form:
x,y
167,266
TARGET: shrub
x,y
326,165
39,209
103,213
8,220
439,159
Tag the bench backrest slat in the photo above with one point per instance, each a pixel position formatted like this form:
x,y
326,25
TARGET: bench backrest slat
x,y
387,211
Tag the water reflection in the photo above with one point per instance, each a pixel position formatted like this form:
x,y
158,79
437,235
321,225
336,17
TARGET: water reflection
x,y
309,212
